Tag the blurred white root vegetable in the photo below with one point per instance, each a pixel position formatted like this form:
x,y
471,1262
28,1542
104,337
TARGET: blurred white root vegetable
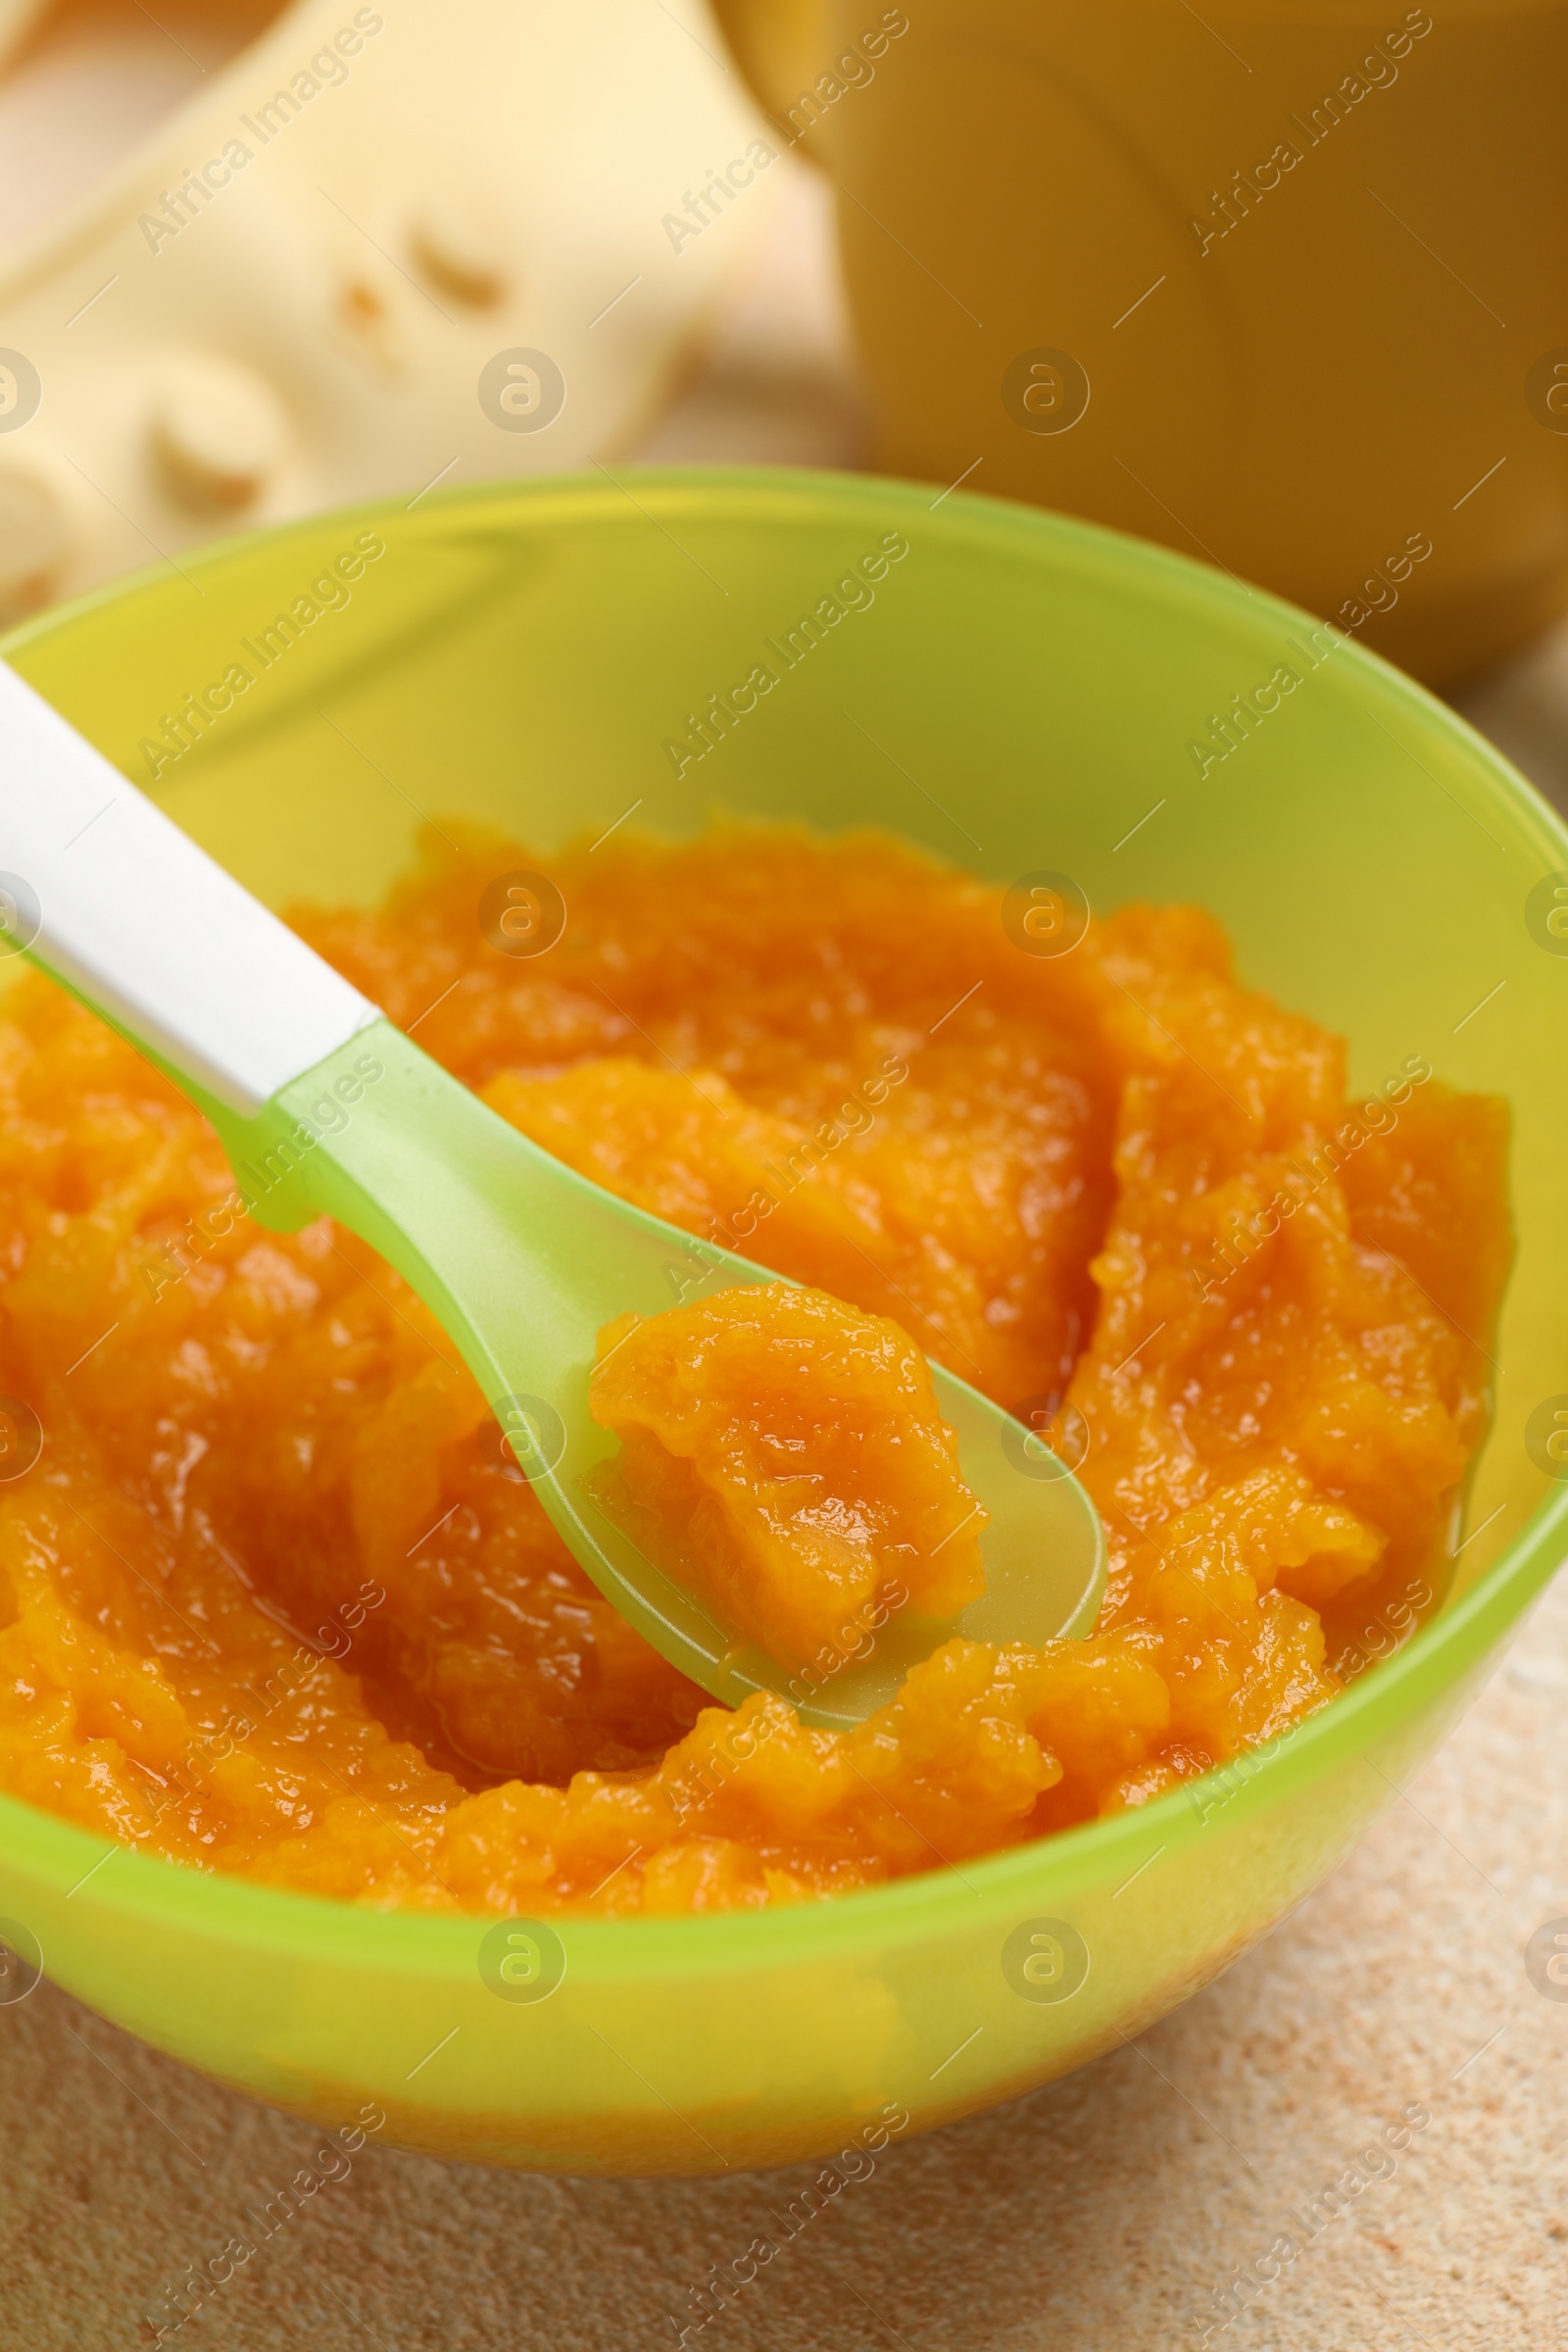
x,y
381,248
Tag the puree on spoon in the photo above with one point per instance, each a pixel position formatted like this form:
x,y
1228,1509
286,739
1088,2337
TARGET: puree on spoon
x,y
274,1599
785,1456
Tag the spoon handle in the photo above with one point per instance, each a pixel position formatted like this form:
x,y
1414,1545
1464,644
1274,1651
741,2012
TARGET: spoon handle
x,y
118,903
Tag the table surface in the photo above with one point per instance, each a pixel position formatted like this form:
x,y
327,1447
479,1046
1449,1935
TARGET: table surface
x,y
1106,2210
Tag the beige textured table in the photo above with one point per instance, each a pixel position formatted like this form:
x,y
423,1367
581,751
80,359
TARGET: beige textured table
x,y
1106,2211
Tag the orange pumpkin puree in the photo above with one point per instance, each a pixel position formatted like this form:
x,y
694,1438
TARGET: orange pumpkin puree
x,y
790,1460
273,1600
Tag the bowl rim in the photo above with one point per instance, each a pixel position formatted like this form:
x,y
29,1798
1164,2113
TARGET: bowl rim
x,y
1451,1647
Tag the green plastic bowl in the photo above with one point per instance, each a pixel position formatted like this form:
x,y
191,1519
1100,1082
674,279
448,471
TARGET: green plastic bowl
x,y
525,654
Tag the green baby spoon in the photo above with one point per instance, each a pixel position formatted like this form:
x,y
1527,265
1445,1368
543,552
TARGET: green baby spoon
x,y
325,1108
